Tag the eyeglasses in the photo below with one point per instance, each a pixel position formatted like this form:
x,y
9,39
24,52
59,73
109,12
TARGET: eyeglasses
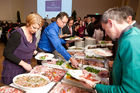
x,y
64,22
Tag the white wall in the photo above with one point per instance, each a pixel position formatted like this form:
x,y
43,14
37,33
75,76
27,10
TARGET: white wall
x,y
5,10
9,8
138,13
16,5
84,7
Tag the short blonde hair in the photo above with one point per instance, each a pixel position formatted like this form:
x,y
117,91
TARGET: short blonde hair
x,y
34,18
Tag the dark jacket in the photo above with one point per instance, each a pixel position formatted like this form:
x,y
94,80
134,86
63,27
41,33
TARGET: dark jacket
x,y
66,30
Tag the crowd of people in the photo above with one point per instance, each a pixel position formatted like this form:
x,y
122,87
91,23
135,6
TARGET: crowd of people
x,y
118,23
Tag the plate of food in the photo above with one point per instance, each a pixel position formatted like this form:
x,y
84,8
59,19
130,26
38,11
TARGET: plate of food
x,y
66,35
9,89
101,72
98,52
80,74
30,81
76,48
53,74
73,38
105,43
63,87
102,52
68,66
44,56
94,69
54,63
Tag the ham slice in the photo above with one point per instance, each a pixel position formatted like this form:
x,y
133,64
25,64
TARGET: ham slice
x,y
66,88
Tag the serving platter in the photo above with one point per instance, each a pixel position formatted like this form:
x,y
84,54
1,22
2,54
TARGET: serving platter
x,y
30,81
79,74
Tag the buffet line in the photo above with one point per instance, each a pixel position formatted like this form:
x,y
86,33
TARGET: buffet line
x,y
56,75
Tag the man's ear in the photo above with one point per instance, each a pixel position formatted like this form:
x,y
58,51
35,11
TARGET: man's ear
x,y
58,20
110,22
129,19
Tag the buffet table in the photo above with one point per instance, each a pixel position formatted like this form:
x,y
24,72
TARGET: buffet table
x,y
63,78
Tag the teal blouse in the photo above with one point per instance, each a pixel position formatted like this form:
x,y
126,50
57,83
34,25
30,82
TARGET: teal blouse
x,y
126,66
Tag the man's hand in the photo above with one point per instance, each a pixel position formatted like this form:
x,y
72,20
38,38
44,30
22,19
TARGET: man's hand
x,y
74,62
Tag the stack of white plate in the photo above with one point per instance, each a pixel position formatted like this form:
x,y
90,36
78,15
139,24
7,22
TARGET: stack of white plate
x,y
79,43
90,41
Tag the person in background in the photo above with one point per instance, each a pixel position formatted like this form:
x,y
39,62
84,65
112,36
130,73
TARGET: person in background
x,y
93,19
50,40
98,32
53,19
77,20
76,27
90,27
85,25
130,15
20,48
44,25
126,66
85,21
69,28
81,29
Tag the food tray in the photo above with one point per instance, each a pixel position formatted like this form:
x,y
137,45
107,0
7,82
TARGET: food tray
x,y
64,87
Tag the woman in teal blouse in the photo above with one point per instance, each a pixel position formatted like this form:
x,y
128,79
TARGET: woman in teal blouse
x,y
126,66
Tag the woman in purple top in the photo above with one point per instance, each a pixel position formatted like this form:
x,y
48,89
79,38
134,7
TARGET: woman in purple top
x,y
20,48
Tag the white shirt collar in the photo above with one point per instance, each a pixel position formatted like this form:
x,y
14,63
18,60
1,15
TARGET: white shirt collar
x,y
133,22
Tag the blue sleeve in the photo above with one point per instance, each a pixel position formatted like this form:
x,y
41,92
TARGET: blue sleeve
x,y
56,42
62,41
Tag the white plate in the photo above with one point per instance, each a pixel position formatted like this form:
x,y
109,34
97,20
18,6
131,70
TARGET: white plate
x,y
29,88
49,56
74,39
45,89
76,48
98,52
77,73
66,35
101,52
52,65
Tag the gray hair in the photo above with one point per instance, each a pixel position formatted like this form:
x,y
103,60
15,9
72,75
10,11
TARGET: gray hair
x,y
129,11
116,14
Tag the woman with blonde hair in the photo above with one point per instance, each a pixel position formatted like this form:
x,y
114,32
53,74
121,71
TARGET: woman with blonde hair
x,y
20,48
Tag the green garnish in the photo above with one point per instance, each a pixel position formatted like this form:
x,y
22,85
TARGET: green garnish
x,y
42,57
68,65
72,38
102,42
90,69
59,62
68,74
